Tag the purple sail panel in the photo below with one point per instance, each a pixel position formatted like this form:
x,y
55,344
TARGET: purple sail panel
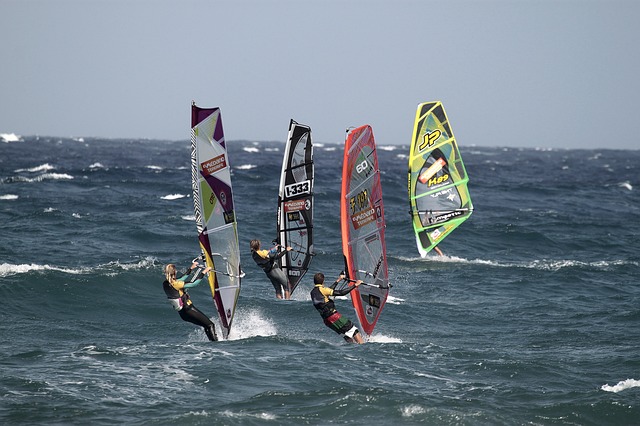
x,y
199,114
222,192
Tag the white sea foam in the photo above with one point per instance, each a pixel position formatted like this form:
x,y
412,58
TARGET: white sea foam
x,y
626,185
152,167
8,197
411,410
542,264
251,323
251,149
7,269
394,300
244,414
402,156
387,147
381,338
173,197
623,385
96,166
190,217
246,167
330,148
41,168
10,137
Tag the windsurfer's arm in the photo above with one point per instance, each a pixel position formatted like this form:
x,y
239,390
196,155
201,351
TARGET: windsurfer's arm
x,y
345,291
198,279
186,274
338,281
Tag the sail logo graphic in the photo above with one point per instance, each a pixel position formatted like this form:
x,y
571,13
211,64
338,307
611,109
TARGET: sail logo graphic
x,y
362,167
429,139
213,165
432,170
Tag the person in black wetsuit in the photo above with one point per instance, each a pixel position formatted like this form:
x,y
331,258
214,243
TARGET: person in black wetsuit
x,y
268,261
327,309
175,290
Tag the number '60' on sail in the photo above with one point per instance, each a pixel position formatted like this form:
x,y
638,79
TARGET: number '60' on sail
x,y
363,226
214,210
295,203
438,192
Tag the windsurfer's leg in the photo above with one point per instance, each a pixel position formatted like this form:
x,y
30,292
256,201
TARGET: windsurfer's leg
x,y
193,315
279,281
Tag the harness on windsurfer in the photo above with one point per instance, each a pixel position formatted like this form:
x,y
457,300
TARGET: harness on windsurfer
x,y
176,291
268,260
320,296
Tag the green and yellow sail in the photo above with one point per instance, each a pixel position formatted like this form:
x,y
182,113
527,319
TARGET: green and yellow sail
x,y
438,192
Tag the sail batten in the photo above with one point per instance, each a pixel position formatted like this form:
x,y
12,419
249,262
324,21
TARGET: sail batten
x,y
438,192
215,211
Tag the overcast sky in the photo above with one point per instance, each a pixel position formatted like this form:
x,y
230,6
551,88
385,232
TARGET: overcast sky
x,y
531,73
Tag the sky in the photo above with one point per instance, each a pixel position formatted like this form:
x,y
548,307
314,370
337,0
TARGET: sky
x,y
510,73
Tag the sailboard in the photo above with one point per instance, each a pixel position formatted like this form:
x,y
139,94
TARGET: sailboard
x,y
214,210
438,192
363,227
295,203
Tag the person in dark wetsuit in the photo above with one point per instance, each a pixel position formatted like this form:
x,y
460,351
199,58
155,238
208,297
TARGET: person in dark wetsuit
x,y
175,290
268,261
327,309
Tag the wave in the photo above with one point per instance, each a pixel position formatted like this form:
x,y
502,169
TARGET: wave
x,y
543,264
250,323
626,185
623,385
250,149
10,137
381,338
40,178
41,168
246,167
110,268
7,197
173,197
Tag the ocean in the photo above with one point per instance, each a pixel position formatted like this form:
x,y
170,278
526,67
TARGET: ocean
x,y
531,317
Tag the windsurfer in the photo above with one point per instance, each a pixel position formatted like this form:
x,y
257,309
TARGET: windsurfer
x,y
325,306
268,261
437,250
175,290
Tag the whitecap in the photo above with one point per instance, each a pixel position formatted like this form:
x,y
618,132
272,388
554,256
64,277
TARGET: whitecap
x,y
251,323
402,156
8,197
7,269
387,148
151,167
10,137
394,300
172,197
246,167
190,218
96,166
381,338
626,185
330,148
251,149
41,168
411,410
623,385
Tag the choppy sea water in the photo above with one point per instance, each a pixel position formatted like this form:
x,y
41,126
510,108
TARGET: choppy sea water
x,y
532,317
